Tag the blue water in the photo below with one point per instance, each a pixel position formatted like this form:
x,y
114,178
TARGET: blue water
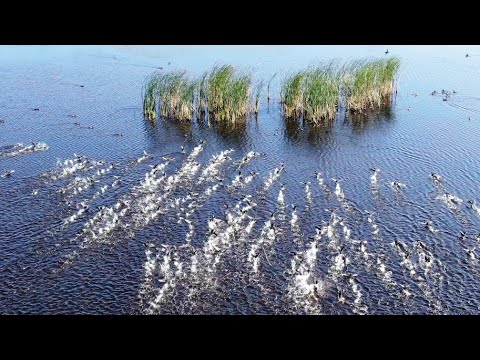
x,y
49,269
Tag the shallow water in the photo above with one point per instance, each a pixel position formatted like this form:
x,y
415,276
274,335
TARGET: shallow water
x,y
51,263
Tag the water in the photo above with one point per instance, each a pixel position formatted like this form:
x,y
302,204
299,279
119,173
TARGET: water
x,y
164,258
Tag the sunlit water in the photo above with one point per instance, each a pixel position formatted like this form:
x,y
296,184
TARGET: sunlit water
x,y
90,225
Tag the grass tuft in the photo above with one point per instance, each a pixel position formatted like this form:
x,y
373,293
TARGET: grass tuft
x,y
222,93
369,83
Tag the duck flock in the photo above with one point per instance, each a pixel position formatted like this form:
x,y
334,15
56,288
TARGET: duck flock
x,y
229,239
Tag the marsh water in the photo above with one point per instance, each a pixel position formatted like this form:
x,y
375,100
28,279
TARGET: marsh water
x,y
87,226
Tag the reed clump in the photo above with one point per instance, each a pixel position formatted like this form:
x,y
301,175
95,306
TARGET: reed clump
x,y
369,83
315,94
222,93
174,94
227,95
149,99
312,94
321,95
292,95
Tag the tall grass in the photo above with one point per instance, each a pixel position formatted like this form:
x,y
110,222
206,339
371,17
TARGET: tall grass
x,y
202,89
149,99
171,93
292,95
370,83
223,93
313,94
226,95
175,92
321,95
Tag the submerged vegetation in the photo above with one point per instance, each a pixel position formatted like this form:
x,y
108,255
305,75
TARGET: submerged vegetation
x,y
227,95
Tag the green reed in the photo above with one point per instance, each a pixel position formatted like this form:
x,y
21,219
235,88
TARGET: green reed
x,y
369,83
292,95
149,99
313,94
223,93
226,94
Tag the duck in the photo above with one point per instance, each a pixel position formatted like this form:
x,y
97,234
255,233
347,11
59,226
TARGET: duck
x,y
453,199
307,190
238,178
473,204
397,185
281,196
346,230
429,226
400,245
294,220
279,170
471,253
374,177
436,177
8,173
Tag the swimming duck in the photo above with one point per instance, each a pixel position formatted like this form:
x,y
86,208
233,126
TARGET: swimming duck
x,y
436,177
374,177
8,173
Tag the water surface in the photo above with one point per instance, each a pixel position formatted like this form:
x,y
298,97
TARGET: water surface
x,y
88,94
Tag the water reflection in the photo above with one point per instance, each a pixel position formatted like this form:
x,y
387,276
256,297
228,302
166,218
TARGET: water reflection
x,y
292,130
162,130
361,122
234,134
302,131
